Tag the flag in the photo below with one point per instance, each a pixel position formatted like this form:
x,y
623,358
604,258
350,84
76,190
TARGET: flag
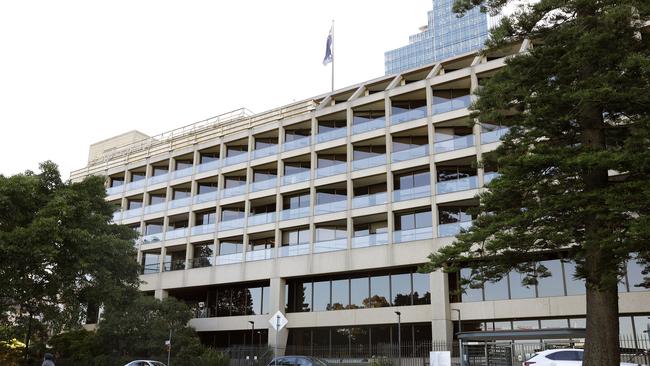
x,y
329,47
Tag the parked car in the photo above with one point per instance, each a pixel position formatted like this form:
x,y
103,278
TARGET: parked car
x,y
560,357
297,361
145,363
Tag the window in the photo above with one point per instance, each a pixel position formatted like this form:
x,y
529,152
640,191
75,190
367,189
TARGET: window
x,y
554,284
208,157
574,286
133,204
234,181
359,292
324,195
291,135
379,292
325,126
326,233
496,290
517,289
205,218
327,160
409,142
230,247
296,167
295,237
565,356
261,143
207,187
340,295
401,289
183,164
296,201
420,178
156,198
421,290
232,213
262,175
234,150
180,193
413,220
362,152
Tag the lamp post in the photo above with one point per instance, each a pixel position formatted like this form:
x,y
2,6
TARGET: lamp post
x,y
252,323
460,341
399,338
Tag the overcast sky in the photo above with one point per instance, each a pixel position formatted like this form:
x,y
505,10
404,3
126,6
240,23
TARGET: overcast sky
x,y
76,72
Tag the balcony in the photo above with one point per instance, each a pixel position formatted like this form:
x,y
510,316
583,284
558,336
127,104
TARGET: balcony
x,y
412,153
330,245
233,191
331,207
453,229
161,178
296,178
263,184
457,185
261,219
493,136
293,250
488,176
296,144
203,229
231,224
114,190
452,104
151,268
201,262
401,115
331,170
456,143
135,185
368,125
152,238
155,208
185,172
265,151
229,258
176,233
369,162
411,193
209,166
370,240
259,255
206,197
403,236
370,200
236,159
294,213
180,202
134,212
331,135
176,265
117,216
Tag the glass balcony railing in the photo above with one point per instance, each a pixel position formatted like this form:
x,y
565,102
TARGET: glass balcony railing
x,y
265,151
296,178
422,233
151,268
330,245
296,144
412,153
176,265
488,176
185,172
331,207
181,232
294,213
232,224
230,258
203,229
331,170
209,166
261,219
331,135
370,200
370,240
233,191
401,115
152,238
368,125
236,159
457,185
114,190
411,193
291,250
134,212
200,262
451,104
263,184
160,178
453,229
117,216
180,202
135,185
259,255
456,143
369,162
206,197
155,208
493,136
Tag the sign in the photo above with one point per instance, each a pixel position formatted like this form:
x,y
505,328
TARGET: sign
x,y
440,358
278,321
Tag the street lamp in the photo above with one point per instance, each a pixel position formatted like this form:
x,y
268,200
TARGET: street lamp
x,y
252,323
399,338
460,341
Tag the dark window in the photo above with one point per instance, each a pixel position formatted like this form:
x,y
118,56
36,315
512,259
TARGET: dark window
x,y
296,201
421,289
326,160
420,178
291,135
413,220
207,187
296,167
261,143
340,294
409,142
234,181
208,157
321,295
379,292
359,288
554,284
401,289
565,356
234,150
183,164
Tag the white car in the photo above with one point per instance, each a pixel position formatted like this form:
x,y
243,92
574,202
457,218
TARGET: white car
x,y
561,357
145,363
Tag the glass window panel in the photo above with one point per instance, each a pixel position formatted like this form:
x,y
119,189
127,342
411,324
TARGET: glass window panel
x,y
525,324
401,289
577,323
255,304
574,286
223,302
405,221
642,327
635,275
266,297
360,341
340,340
321,295
421,290
421,179
423,219
505,325
379,292
497,290
517,289
240,301
625,326
321,339
553,285
469,294
303,297
380,335
359,288
553,323
340,294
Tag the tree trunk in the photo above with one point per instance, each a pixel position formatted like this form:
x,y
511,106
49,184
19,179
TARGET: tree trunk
x,y
602,345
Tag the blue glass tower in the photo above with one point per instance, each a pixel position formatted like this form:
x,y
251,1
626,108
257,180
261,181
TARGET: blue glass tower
x,y
444,36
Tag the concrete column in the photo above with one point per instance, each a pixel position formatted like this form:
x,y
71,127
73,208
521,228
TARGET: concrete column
x,y
276,302
441,324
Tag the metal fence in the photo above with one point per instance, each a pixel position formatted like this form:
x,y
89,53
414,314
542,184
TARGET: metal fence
x,y
248,355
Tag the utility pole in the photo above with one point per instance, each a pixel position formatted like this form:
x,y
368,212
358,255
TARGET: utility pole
x,y
399,338
169,347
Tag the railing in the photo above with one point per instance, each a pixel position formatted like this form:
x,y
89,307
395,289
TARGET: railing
x,y
176,233
206,197
296,178
114,190
173,265
331,207
455,143
263,184
327,171
412,153
261,219
229,258
233,191
152,238
117,216
411,193
370,240
408,353
201,262
135,185
368,125
331,135
236,159
453,229
292,250
232,224
369,162
151,268
182,172
401,115
402,236
265,151
160,178
456,185
330,245
155,208
493,136
203,229
180,202
370,200
488,176
452,104
209,166
134,212
296,144
294,213
259,255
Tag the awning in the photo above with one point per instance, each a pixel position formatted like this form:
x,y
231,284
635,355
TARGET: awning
x,y
525,334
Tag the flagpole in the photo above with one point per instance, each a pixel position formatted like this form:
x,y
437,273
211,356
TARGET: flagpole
x,y
332,55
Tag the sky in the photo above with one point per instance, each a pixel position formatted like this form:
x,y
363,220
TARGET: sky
x,y
76,72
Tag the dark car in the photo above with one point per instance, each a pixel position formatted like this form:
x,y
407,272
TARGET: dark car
x,y
297,361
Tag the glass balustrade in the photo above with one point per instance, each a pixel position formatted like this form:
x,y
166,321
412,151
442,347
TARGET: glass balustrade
x,y
331,170
206,197
368,125
259,255
370,200
456,143
493,136
203,229
229,258
201,262
161,178
151,268
296,178
412,153
261,219
263,184
330,245
185,172
135,212
155,208
453,229
331,207
176,233
369,162
402,236
117,216
152,238
135,185
209,166
294,213
176,265
180,202
452,104
232,224
401,115
370,240
488,176
296,144
331,135
291,250
265,151
457,185
114,190
411,193
236,159
233,191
